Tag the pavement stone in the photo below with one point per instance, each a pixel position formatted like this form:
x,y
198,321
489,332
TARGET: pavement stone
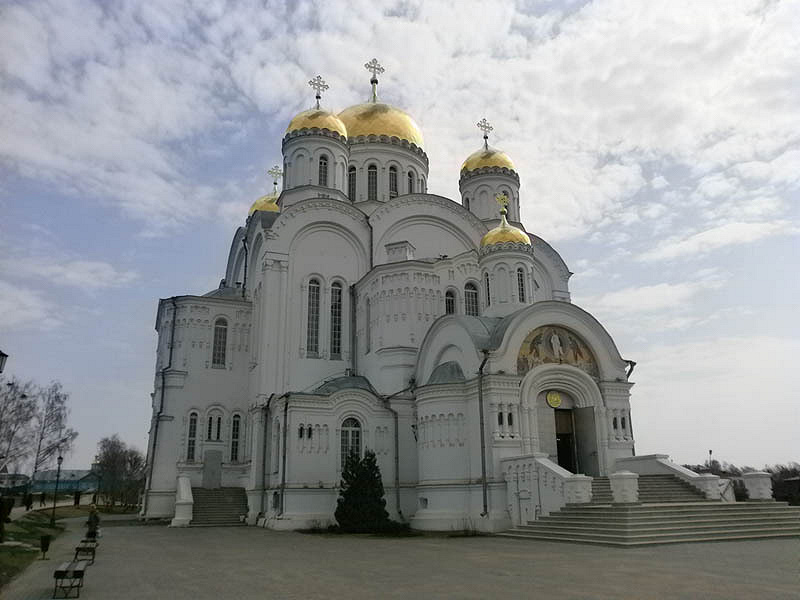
x,y
135,561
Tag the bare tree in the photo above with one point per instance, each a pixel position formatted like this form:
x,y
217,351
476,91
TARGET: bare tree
x,y
17,410
51,435
121,470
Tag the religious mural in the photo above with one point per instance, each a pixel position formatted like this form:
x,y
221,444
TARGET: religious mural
x,y
551,344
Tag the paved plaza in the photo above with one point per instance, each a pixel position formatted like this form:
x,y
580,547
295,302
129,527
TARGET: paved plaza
x,y
245,562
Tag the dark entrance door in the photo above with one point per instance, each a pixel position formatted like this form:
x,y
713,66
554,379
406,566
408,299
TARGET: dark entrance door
x,y
565,439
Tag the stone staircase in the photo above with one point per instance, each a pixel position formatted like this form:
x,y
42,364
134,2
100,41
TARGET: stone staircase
x,y
218,507
669,512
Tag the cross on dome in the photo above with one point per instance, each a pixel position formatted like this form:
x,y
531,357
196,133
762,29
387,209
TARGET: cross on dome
x,y
276,174
502,200
484,126
318,85
375,68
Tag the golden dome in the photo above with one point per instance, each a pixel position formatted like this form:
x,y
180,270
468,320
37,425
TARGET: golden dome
x,y
376,118
268,203
487,157
319,118
505,233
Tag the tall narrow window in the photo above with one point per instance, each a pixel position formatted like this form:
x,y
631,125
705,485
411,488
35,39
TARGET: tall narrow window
x,y
323,171
220,343
336,321
350,439
449,303
219,428
236,425
191,443
466,203
392,182
486,289
351,184
471,300
312,335
367,330
521,284
372,182
410,182
210,429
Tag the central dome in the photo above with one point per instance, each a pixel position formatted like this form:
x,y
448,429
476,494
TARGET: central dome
x,y
377,118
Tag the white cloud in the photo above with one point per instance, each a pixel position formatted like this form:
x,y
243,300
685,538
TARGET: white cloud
x,y
22,308
717,237
86,274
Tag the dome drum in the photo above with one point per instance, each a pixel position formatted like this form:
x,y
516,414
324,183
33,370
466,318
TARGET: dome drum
x,y
488,170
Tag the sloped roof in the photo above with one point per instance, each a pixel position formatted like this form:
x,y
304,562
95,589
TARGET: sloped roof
x,y
343,383
448,372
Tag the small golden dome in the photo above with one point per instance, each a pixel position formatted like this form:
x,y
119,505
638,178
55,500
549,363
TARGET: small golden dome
x,y
504,232
319,118
268,203
487,157
376,118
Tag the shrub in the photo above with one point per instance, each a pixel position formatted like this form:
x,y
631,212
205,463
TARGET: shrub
x,y
361,507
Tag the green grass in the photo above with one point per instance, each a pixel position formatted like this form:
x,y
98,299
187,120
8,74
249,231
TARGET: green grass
x,y
26,529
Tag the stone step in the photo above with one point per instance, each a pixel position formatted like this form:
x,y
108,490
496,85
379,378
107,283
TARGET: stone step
x,y
220,507
699,538
709,518
657,534
657,527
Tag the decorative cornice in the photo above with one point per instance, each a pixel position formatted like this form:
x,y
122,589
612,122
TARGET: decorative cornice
x,y
505,171
506,247
316,131
315,204
427,199
393,140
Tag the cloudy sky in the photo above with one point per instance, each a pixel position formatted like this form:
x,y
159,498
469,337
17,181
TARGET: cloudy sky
x,y
658,145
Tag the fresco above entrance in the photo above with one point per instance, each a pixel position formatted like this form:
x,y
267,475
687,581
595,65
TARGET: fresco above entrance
x,y
552,344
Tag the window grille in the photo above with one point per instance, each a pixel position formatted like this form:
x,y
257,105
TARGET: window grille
x,y
323,171
521,284
350,439
192,441
220,343
450,303
392,182
471,300
235,427
487,289
372,182
336,321
312,336
351,184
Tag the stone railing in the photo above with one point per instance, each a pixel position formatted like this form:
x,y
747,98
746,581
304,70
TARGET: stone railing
x,y
759,486
660,464
184,503
536,486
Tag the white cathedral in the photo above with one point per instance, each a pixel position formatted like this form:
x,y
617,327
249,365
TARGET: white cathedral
x,y
359,311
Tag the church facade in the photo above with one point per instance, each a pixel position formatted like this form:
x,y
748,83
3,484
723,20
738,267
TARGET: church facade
x,y
359,311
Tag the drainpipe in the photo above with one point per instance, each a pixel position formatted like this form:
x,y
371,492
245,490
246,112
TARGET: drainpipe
x,y
283,460
244,283
483,435
265,411
387,405
161,403
371,236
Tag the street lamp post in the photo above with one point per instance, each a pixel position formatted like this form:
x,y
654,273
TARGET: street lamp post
x,y
55,495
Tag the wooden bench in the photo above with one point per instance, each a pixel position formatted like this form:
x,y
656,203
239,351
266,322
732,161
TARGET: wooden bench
x,y
69,576
86,549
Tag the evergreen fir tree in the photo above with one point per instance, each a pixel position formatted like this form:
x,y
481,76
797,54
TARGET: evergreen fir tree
x,y
361,507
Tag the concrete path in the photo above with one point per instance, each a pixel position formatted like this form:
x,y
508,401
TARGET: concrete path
x,y
136,561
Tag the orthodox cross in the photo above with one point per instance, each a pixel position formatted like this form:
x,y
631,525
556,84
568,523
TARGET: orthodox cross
x,y
484,126
276,174
375,68
318,85
502,200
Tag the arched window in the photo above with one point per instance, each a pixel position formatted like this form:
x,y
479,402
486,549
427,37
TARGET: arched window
x,y
309,432
500,419
471,300
411,182
392,182
220,343
510,419
521,284
336,321
323,171
372,182
191,442
350,439
449,303
351,184
466,203
236,426
312,334
367,331
486,289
